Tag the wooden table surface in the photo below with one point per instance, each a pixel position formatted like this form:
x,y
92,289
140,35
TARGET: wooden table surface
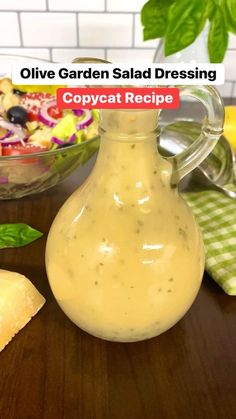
x,y
53,370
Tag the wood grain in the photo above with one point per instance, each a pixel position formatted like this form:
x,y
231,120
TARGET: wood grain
x,y
53,370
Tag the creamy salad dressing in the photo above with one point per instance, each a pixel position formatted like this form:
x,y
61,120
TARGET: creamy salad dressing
x,y
124,254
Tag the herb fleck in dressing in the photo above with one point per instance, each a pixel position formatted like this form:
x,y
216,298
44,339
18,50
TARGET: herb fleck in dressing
x,y
130,275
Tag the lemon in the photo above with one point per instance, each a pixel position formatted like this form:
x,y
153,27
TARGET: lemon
x,y
230,125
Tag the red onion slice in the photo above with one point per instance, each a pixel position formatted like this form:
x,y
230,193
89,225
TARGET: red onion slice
x,y
16,129
72,138
78,112
46,122
57,141
86,121
8,134
44,116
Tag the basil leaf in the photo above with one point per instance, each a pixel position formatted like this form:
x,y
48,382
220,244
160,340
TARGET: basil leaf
x,y
217,38
17,235
229,10
211,6
154,15
185,21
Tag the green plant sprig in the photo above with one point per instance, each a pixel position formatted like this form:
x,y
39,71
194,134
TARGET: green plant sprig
x,y
179,22
17,235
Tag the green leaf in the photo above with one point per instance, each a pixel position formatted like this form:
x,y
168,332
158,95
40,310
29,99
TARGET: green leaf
x,y
229,10
185,21
210,10
217,38
154,15
17,235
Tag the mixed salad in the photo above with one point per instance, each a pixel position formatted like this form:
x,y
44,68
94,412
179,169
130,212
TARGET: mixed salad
x,y
31,122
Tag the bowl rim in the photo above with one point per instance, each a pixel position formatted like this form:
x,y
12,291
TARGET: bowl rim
x,y
48,152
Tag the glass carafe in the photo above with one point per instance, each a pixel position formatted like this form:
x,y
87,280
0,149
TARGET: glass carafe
x,y
124,254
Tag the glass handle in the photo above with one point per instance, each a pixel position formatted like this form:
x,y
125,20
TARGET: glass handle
x,y
212,129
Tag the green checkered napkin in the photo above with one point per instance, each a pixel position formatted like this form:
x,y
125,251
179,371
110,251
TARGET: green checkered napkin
x,y
216,216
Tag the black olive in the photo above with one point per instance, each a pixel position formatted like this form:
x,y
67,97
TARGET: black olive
x,y
17,115
65,145
18,92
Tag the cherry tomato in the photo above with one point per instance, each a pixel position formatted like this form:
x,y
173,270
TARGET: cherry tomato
x,y
18,150
55,112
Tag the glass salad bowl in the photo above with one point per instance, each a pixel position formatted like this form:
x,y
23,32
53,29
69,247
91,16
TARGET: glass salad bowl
x,y
32,173
30,162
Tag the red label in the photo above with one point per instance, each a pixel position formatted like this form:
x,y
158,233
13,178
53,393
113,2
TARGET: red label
x,y
118,98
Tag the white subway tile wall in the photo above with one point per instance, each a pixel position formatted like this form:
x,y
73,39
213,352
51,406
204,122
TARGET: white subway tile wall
x,y
60,30
130,55
10,30
234,91
232,41
226,89
42,53
230,65
23,5
48,29
124,5
105,29
77,5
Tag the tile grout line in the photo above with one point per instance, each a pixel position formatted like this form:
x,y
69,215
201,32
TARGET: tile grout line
x,y
77,30
20,29
233,91
68,11
133,30
81,47
50,54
